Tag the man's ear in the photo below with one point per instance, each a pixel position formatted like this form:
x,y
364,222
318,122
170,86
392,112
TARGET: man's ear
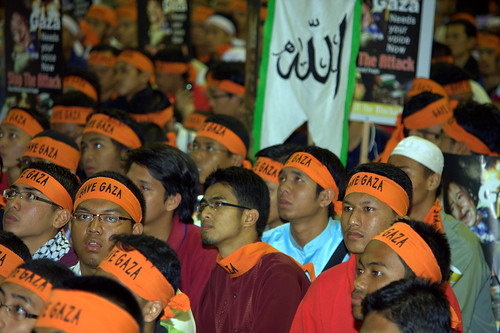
x,y
433,181
237,160
151,311
326,197
62,217
137,229
172,202
249,217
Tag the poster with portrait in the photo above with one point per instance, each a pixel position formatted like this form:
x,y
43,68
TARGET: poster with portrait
x,y
395,47
33,52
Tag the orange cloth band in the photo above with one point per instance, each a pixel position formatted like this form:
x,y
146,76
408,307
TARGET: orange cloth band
x,y
225,136
457,133
31,281
201,13
268,169
48,185
111,190
160,118
433,216
9,261
128,12
412,249
76,311
242,260
194,121
229,86
139,61
435,113
54,151
171,67
458,87
103,13
489,41
382,188
420,85
315,170
81,85
114,129
448,59
70,114
101,58
136,272
24,121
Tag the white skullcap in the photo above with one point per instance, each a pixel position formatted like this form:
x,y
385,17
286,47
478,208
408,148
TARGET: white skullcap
x,y
222,22
421,151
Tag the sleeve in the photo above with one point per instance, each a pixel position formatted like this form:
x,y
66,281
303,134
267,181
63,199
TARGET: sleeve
x,y
306,317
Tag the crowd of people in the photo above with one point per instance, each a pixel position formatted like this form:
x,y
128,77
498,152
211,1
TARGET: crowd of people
x,y
135,204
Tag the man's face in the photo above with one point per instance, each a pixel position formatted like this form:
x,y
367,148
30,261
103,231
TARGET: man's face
x,y
13,143
126,32
210,155
487,61
297,199
363,217
378,266
99,153
457,40
431,134
376,322
32,221
92,241
449,145
216,37
14,295
127,80
105,76
223,102
99,26
461,205
169,83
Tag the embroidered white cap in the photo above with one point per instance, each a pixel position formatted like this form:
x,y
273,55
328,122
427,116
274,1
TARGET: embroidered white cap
x,y
422,151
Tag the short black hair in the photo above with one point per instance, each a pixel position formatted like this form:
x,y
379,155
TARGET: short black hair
x,y
152,133
175,170
171,53
233,71
387,170
279,152
106,48
52,271
15,244
110,290
58,136
414,305
75,98
127,183
233,124
445,73
470,29
40,118
86,75
148,101
440,50
418,102
248,188
158,252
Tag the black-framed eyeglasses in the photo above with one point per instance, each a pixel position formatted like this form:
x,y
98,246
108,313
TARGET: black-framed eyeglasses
x,y
110,219
18,312
11,194
217,204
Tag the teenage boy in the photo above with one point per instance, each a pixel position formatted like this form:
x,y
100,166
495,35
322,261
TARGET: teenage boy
x,y
254,287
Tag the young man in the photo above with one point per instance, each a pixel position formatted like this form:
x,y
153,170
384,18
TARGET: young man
x,y
221,142
25,292
82,80
154,281
423,162
407,305
126,32
254,287
461,39
168,179
102,59
376,195
488,46
39,205
100,22
13,252
105,205
311,183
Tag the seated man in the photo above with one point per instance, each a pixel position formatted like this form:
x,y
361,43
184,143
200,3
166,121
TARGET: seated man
x,y
254,287
39,205
102,59
407,305
461,38
82,80
154,281
100,22
13,252
105,205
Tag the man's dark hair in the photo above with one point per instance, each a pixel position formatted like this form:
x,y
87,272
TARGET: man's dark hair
x,y
414,305
148,101
75,98
110,290
387,170
52,271
128,184
233,71
248,188
470,29
173,53
15,244
158,252
86,75
440,50
233,124
152,133
445,73
280,152
58,136
175,170
40,118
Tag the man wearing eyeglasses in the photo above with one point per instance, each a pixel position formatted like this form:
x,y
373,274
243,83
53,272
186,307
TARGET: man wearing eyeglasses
x,y
253,287
105,205
39,205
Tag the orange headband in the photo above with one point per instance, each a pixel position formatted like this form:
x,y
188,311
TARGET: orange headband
x,y
111,190
31,281
195,120
9,261
315,170
114,129
77,311
225,136
171,67
127,12
201,13
135,271
457,133
24,121
81,85
101,58
382,188
420,85
433,114
103,13
229,86
70,114
139,61
160,118
54,151
457,87
268,169
412,249
48,185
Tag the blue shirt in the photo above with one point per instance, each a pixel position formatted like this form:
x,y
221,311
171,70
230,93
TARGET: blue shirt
x,y
318,251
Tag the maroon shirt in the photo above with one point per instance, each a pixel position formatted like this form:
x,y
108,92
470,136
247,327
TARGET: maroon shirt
x,y
264,299
196,261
